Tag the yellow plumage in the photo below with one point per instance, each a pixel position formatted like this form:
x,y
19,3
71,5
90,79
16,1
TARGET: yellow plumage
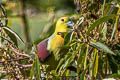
x,y
56,41
48,49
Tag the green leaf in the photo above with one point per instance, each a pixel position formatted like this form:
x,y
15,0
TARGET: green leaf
x,y
61,62
104,30
114,27
113,64
95,61
99,21
67,63
0,39
83,73
12,34
37,68
101,47
32,71
54,72
12,37
69,60
115,75
81,58
103,7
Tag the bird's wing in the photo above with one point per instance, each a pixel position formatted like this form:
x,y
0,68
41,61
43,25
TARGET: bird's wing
x,y
42,51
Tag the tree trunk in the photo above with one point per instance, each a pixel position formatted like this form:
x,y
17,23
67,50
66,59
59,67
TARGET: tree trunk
x,y
25,23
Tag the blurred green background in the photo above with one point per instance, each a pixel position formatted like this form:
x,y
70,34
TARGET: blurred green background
x,y
41,16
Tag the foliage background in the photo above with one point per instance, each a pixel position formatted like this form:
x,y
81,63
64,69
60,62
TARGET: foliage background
x,y
91,50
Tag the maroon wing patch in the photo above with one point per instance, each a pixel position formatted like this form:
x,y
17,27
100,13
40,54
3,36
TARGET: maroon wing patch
x,y
42,51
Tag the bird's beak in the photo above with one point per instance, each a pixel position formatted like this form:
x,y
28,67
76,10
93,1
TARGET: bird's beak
x,y
70,24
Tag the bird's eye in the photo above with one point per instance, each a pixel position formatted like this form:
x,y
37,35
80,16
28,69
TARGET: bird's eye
x,y
62,20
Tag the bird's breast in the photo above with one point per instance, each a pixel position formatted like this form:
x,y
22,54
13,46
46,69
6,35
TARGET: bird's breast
x,y
55,43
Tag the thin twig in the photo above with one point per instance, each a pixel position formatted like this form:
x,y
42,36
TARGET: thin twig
x,y
21,65
5,39
2,72
4,14
2,62
25,66
19,53
78,23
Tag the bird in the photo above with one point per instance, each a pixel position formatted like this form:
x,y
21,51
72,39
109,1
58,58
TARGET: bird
x,y
48,49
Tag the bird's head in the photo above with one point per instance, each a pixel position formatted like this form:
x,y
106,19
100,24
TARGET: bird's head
x,y
62,24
